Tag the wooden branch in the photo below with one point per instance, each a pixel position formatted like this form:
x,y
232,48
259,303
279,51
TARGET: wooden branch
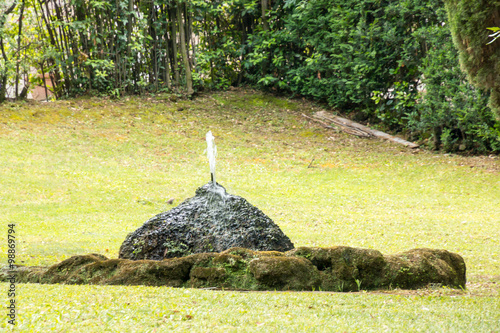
x,y
321,122
354,128
9,10
348,130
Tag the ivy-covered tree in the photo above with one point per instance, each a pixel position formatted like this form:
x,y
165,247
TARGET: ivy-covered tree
x,y
469,20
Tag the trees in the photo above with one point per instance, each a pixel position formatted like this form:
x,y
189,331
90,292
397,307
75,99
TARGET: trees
x,y
388,61
469,20
107,46
4,13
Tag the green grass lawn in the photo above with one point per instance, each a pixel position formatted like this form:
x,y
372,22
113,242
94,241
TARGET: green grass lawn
x,y
77,176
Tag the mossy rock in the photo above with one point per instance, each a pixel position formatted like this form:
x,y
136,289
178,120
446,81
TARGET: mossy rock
x,y
285,273
330,269
172,273
241,252
207,276
345,268
33,274
60,273
420,267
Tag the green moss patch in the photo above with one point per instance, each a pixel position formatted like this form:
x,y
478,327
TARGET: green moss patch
x,y
331,269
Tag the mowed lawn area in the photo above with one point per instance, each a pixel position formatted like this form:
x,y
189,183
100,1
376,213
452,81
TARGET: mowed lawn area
x,y
76,176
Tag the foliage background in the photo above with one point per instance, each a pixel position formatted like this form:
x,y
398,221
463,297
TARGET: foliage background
x,y
387,62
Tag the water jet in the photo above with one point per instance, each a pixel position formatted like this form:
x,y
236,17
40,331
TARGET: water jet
x,y
211,153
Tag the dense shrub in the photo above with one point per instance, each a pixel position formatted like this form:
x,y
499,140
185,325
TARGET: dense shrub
x,y
450,111
392,60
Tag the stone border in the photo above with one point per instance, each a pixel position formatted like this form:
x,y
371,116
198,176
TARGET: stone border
x,y
306,268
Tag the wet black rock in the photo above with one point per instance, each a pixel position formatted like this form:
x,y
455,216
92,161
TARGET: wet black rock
x,y
211,221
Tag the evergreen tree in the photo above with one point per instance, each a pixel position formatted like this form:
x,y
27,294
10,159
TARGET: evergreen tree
x,y
469,20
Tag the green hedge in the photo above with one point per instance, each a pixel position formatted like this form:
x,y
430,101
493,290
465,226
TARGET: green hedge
x,y
394,61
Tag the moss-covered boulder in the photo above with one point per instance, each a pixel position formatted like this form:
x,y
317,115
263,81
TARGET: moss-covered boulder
x,y
335,269
292,273
420,267
345,268
211,221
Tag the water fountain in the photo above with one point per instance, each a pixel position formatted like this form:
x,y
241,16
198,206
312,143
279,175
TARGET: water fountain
x,y
211,153
218,191
245,241
211,221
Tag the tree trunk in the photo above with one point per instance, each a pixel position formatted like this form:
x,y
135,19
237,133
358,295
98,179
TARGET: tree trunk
x,y
3,75
437,137
173,37
190,40
3,88
19,47
3,72
264,5
44,82
185,56
165,53
153,74
129,36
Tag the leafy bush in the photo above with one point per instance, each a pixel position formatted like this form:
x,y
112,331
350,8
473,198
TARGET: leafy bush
x,y
450,109
341,51
392,60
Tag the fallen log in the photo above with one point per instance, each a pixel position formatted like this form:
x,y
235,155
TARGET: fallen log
x,y
354,128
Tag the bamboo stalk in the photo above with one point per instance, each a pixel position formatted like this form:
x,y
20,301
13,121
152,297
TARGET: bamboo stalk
x,y
185,58
175,67
19,46
166,56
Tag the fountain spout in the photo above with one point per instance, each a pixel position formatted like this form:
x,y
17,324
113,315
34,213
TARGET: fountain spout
x,y
211,153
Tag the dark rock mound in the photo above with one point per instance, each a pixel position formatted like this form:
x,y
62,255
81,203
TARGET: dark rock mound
x,y
211,221
329,269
